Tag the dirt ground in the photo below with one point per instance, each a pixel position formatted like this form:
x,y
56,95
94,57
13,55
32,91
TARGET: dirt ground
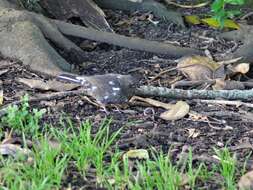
x,y
229,126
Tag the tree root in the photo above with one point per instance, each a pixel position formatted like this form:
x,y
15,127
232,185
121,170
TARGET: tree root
x,y
22,36
124,41
244,34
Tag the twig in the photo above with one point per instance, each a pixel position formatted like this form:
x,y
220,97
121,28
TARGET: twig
x,y
195,94
246,15
187,6
227,102
185,83
161,73
192,83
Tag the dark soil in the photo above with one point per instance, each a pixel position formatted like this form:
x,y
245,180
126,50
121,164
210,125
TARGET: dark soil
x,y
229,126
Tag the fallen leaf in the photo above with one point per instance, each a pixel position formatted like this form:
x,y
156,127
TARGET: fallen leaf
x,y
184,179
3,71
177,111
219,84
228,23
12,150
54,144
194,116
199,68
5,63
219,72
193,133
138,154
152,102
111,181
246,181
229,61
192,19
100,180
49,85
242,68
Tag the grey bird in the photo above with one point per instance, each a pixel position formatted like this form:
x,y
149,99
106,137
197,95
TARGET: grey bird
x,y
106,89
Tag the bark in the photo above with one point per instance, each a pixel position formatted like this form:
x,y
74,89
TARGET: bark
x,y
89,13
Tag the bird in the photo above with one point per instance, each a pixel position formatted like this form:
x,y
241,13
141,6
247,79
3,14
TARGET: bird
x,y
107,89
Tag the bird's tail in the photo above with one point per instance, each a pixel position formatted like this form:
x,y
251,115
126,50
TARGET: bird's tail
x,y
69,78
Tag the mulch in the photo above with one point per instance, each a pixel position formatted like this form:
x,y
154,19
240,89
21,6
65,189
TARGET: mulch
x,y
223,125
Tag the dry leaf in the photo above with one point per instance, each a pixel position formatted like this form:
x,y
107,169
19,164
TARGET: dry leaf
x,y
219,84
198,67
152,102
49,85
246,181
3,71
111,181
192,19
177,111
12,150
184,179
194,116
219,72
138,154
100,180
193,133
242,68
54,144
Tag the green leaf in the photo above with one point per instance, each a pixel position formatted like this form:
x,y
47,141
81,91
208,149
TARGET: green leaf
x,y
235,2
217,5
233,13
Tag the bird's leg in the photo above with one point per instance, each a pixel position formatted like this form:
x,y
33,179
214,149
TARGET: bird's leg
x,y
97,104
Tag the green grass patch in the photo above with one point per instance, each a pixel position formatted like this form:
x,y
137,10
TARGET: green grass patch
x,y
22,120
46,166
43,170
